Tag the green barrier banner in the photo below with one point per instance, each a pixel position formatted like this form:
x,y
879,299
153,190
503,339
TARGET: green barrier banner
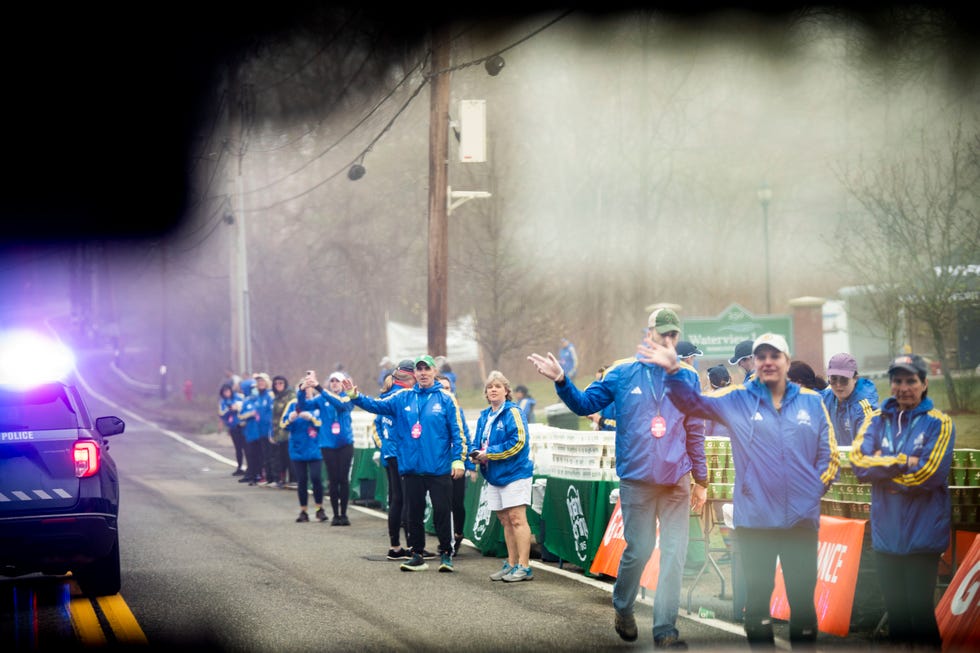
x,y
575,514
482,527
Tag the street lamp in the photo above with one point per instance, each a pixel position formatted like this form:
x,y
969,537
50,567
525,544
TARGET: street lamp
x,y
765,196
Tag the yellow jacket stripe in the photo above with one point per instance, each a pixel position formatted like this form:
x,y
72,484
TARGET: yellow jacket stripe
x,y
515,412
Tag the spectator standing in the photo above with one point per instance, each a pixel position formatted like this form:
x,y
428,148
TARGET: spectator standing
x,y
568,359
336,439
229,403
657,450
850,399
402,379
785,460
605,419
905,450
444,369
279,457
459,484
501,431
249,416
304,454
431,452
264,402
744,359
688,352
525,402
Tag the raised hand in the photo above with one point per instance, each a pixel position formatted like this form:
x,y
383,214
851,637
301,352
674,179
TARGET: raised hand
x,y
548,367
656,354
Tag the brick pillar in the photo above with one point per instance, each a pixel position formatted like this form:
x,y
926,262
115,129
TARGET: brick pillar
x,y
808,332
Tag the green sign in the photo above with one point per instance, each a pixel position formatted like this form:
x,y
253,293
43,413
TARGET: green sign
x,y
717,337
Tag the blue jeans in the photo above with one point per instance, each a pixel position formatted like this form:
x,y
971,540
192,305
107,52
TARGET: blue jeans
x,y
642,504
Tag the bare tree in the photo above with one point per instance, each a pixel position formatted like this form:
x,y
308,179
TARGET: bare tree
x,y
919,236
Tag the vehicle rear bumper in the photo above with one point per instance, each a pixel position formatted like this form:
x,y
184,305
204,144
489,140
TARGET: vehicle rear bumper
x,y
53,544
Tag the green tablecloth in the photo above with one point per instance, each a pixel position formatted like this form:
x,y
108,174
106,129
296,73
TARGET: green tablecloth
x,y
367,474
575,514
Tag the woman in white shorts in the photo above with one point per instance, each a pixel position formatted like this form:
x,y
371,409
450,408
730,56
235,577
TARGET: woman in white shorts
x,y
503,455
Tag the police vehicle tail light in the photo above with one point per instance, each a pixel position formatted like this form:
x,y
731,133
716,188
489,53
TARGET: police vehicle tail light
x,y
87,458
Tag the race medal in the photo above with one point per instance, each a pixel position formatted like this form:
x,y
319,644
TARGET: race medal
x,y
658,427
417,431
335,428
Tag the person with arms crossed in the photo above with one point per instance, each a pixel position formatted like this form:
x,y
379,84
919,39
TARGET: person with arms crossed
x,y
905,450
785,458
659,456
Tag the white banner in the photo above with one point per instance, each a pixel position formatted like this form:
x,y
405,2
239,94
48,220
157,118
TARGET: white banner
x,y
405,341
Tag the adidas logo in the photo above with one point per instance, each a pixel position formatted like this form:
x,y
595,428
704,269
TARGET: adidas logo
x,y
408,409
636,390
757,417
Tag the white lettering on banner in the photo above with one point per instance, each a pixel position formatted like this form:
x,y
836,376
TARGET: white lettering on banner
x,y
830,558
615,528
10,436
483,514
576,517
966,592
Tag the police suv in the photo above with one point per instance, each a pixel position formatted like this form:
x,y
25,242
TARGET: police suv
x,y
59,489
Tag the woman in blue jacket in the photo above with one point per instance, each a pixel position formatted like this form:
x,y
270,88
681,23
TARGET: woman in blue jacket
x,y
304,454
336,439
785,459
502,449
849,399
229,403
905,450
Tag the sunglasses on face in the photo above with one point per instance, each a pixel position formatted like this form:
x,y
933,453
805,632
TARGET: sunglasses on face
x,y
839,380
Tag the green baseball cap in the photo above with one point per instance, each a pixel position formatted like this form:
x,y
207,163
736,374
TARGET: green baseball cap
x,y
664,320
428,360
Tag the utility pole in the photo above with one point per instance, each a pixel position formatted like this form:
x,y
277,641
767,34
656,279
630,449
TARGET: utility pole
x,y
438,311
240,335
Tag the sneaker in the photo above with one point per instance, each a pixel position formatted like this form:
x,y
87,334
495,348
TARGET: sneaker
x,y
415,564
670,642
399,554
457,545
245,478
253,483
321,515
428,555
303,516
268,483
238,472
335,521
344,521
500,573
626,627
518,573
446,563
280,485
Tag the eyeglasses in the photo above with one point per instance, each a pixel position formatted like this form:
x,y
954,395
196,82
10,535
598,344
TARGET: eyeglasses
x,y
839,380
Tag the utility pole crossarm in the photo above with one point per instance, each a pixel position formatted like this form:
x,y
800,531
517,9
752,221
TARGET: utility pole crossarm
x,y
455,198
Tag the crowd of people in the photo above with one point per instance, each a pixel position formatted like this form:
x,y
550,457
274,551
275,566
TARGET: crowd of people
x,y
786,425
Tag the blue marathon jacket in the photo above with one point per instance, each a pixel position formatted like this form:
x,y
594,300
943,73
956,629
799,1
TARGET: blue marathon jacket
x,y
428,428
639,393
910,504
336,430
848,415
228,409
302,433
784,460
505,440
382,434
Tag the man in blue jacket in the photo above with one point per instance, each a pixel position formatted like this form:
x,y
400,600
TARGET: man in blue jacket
x,y
659,458
432,452
849,398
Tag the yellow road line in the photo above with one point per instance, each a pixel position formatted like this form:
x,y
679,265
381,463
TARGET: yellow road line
x,y
85,622
124,625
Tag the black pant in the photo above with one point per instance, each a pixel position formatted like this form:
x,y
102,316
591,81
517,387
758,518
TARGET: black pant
x,y
908,586
459,505
238,440
338,462
307,472
278,461
255,459
397,512
796,549
440,489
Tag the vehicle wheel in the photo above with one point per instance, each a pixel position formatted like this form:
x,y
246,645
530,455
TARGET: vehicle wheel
x,y
102,577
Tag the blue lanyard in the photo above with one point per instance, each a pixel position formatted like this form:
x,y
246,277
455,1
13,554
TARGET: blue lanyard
x,y
653,386
419,407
